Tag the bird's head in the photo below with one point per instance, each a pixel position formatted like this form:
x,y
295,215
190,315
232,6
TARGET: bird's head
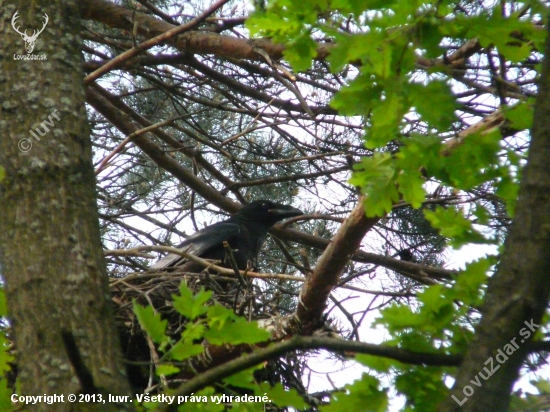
x,y
267,212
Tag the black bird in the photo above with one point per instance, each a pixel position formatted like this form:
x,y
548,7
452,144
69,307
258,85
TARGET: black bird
x,y
406,255
245,232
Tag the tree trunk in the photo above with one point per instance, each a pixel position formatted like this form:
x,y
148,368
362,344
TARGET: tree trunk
x,y
518,292
50,248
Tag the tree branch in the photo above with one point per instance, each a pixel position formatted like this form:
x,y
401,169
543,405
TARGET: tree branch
x,y
329,267
302,342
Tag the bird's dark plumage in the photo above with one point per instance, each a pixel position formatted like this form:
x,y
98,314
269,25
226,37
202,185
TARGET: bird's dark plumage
x,y
245,232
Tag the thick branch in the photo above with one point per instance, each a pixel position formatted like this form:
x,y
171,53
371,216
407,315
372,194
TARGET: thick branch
x,y
161,38
330,266
120,17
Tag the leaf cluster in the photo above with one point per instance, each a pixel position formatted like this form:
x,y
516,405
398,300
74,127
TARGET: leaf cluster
x,y
210,323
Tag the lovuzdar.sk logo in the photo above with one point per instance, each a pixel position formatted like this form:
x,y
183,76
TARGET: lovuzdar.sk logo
x,y
30,41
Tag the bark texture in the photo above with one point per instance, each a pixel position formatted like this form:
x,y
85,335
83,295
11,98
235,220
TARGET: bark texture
x,y
322,281
518,293
50,248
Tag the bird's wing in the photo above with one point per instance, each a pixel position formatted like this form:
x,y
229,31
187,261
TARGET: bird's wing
x,y
201,242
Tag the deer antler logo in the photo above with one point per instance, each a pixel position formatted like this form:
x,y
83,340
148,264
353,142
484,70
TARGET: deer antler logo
x,y
29,40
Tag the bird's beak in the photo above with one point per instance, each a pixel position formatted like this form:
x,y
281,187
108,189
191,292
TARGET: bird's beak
x,y
284,211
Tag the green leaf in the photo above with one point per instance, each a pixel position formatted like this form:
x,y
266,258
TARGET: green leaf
x,y
420,152
381,199
543,385
422,338
453,225
376,177
411,186
437,307
218,315
377,363
300,52
5,396
184,350
520,116
6,358
193,331
474,161
432,298
166,370
499,30
434,103
283,397
359,6
243,379
482,214
429,37
3,303
227,328
377,54
189,305
508,190
151,322
386,118
469,284
272,25
349,49
423,387
363,395
359,98
515,52
397,318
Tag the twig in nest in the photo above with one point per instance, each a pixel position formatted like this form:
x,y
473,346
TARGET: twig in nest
x,y
231,258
